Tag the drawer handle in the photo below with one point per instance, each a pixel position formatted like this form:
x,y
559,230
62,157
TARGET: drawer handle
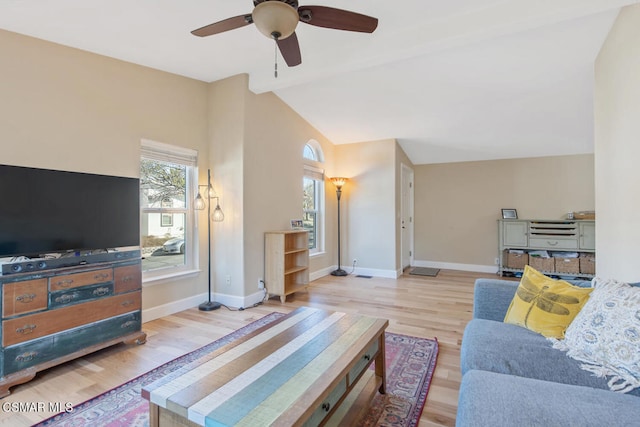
x,y
127,325
101,276
326,406
26,329
27,357
26,298
367,357
65,283
550,243
101,291
66,298
127,303
126,279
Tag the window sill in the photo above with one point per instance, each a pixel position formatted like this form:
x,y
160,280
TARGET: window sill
x,y
316,254
159,279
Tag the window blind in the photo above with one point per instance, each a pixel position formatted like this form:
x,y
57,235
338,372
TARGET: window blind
x,y
168,153
313,173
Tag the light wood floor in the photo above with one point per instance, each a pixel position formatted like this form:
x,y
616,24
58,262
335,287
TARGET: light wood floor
x,y
421,306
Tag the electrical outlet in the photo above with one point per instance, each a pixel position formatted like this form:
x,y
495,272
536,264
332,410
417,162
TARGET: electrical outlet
x,y
260,284
355,261
228,280
496,261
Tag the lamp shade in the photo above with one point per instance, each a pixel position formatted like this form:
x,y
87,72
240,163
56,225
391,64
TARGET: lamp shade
x,y
217,215
339,182
275,19
199,202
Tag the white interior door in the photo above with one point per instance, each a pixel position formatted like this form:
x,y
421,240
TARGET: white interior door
x,y
406,216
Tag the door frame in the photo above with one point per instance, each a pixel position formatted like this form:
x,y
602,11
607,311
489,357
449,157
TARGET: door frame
x,y
406,216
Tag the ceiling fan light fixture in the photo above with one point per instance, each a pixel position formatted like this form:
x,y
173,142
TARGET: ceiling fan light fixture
x,y
275,19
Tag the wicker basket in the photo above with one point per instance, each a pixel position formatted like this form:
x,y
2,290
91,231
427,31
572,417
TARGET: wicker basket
x,y
588,264
567,265
514,260
542,264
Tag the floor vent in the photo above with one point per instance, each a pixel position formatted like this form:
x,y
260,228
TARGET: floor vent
x,y
364,276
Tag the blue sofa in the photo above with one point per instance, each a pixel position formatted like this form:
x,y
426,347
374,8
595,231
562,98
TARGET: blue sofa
x,y
512,376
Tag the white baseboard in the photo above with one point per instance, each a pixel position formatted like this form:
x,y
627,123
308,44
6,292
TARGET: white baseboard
x,y
172,307
456,266
315,275
194,301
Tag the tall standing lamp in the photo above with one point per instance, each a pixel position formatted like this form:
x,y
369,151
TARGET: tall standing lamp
x,y
217,216
339,182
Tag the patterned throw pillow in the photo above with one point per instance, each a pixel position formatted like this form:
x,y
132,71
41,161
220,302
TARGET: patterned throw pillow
x,y
605,335
545,305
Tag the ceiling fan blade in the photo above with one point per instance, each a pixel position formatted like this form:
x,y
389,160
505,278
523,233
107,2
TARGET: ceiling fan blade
x,y
339,19
224,25
290,50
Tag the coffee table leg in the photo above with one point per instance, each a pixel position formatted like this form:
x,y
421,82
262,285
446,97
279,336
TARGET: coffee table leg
x,y
381,367
154,415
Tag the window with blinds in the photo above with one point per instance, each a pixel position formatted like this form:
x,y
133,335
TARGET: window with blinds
x,y
167,219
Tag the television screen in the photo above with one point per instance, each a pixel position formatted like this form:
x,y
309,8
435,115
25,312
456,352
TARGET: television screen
x,y
45,211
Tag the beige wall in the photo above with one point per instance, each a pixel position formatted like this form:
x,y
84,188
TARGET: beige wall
x,y
227,115
257,160
617,149
368,206
66,109
457,204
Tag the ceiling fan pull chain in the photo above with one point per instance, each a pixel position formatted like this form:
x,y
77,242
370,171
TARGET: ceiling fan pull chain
x,y
275,72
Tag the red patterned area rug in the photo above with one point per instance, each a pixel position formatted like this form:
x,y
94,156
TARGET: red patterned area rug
x,y
410,365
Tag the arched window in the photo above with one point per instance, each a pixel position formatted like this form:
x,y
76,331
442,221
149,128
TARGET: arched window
x,y
313,195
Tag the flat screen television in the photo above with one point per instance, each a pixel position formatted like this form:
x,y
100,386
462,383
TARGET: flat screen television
x,y
46,211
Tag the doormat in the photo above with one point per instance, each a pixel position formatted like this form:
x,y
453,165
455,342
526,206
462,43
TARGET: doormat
x,y
425,271
410,363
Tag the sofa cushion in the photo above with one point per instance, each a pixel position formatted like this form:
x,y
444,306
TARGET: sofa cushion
x,y
509,349
606,335
545,305
491,298
490,399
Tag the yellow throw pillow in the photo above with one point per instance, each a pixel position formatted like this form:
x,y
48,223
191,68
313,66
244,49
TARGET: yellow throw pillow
x,y
545,305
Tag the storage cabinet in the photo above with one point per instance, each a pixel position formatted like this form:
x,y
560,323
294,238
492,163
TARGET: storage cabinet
x,y
587,239
550,235
286,262
515,234
54,316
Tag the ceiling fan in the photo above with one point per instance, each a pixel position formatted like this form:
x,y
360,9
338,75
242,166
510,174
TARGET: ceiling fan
x,y
277,19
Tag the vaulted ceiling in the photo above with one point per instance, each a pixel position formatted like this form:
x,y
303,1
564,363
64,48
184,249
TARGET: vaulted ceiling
x,y
452,81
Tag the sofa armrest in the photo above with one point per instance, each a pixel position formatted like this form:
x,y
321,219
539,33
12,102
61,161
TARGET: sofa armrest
x,y
492,298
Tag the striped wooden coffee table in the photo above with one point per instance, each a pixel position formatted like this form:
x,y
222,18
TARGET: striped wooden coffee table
x,y
306,368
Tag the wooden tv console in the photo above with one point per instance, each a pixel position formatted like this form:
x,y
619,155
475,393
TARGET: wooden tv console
x,y
53,316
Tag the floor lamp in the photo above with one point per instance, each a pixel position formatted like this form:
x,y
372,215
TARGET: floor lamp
x,y
217,216
339,182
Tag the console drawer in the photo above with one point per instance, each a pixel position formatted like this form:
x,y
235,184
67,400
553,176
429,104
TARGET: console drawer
x,y
128,278
24,297
78,295
363,362
327,404
74,280
42,350
38,325
553,243
29,354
